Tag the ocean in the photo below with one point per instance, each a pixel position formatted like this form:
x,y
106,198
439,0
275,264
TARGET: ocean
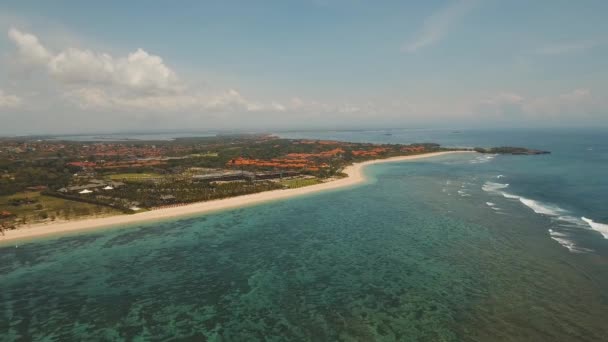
x,y
454,248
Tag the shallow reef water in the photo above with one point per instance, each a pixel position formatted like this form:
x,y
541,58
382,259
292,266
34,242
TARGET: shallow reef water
x,y
403,257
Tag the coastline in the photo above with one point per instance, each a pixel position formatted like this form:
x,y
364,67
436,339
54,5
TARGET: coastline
x,y
354,172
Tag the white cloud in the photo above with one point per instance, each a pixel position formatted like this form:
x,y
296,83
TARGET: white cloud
x,y
138,81
570,105
568,47
29,47
141,82
9,101
578,101
437,25
139,70
98,98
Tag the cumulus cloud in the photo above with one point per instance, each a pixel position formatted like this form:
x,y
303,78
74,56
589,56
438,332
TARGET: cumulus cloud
x,y
138,81
29,47
8,100
231,100
139,70
438,24
142,82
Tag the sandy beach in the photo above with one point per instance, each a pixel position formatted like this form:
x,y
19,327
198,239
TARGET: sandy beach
x,y
354,172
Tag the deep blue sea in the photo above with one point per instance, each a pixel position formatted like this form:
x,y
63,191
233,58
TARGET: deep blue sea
x,y
456,248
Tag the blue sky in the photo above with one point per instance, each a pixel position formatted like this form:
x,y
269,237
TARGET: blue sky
x,y
70,66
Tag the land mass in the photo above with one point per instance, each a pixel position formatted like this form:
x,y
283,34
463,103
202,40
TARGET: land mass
x,y
52,182
510,150
353,176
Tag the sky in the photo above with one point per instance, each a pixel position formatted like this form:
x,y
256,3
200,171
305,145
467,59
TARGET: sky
x,y
116,66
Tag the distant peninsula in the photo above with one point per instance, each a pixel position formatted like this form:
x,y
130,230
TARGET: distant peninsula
x,y
510,150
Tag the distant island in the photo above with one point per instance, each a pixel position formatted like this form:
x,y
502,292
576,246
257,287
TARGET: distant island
x,y
510,150
52,181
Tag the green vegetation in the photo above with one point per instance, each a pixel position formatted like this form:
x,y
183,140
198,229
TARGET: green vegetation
x,y
510,150
176,191
17,175
33,207
79,179
299,182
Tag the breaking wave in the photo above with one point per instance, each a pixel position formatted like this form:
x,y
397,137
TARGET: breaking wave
x,y
485,158
509,196
600,227
554,212
563,240
493,206
493,187
463,193
542,208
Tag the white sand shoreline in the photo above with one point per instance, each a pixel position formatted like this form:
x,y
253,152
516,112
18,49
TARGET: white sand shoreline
x,y
355,176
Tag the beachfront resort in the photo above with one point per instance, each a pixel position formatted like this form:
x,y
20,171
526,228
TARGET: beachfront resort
x,y
46,180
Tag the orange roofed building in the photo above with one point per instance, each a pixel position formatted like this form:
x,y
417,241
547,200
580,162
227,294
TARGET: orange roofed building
x,y
325,154
413,149
370,153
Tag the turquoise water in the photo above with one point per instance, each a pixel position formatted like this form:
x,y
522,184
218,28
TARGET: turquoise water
x,y
414,254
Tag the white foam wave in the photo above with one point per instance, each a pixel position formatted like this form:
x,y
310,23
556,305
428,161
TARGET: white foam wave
x,y
493,187
546,209
509,196
566,243
571,219
463,193
554,212
600,227
483,159
493,206
563,240
500,176
542,208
